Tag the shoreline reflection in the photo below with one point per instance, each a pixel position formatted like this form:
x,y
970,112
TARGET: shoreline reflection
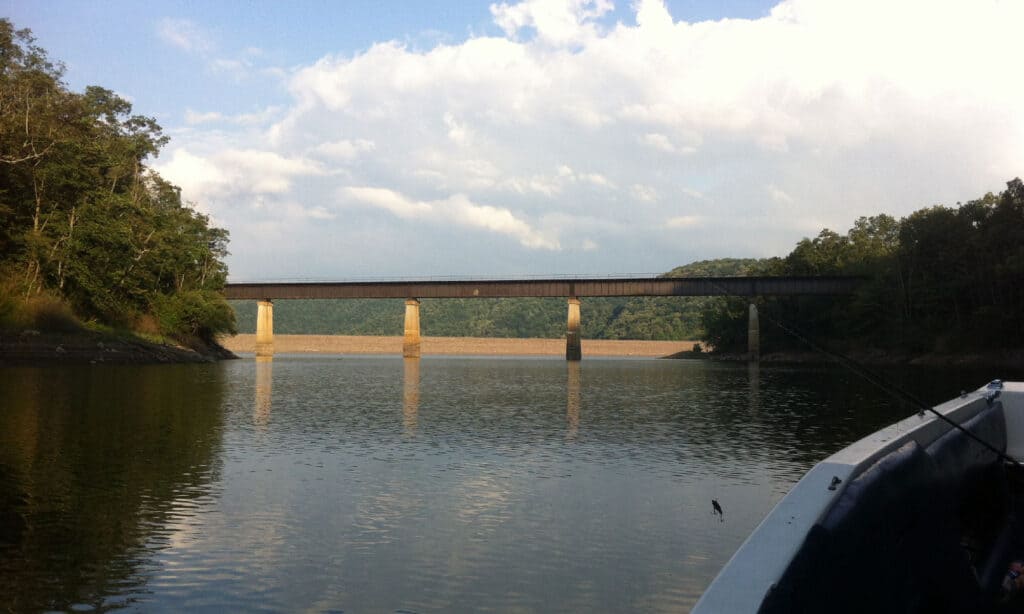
x,y
96,467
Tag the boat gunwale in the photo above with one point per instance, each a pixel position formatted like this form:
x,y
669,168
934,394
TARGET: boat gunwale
x,y
764,556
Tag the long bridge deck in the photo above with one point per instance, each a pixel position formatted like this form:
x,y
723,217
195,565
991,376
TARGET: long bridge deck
x,y
569,287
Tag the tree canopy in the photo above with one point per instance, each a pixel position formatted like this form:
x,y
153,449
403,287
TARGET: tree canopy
x,y
941,279
83,218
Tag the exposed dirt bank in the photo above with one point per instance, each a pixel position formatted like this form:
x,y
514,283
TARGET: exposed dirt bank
x,y
342,344
32,347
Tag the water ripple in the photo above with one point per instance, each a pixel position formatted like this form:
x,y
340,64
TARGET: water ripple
x,y
375,484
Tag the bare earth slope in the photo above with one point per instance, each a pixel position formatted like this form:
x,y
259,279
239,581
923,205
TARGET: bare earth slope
x,y
341,344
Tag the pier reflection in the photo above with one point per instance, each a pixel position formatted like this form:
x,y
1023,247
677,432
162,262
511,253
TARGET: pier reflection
x,y
572,399
264,390
410,395
754,386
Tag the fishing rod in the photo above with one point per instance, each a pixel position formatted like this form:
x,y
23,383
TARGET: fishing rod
x,y
878,380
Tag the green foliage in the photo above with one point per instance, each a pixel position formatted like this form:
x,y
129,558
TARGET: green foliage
x,y
82,218
940,279
725,324
439,318
200,314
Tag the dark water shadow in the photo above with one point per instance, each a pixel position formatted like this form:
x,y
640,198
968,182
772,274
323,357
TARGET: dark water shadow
x,y
96,466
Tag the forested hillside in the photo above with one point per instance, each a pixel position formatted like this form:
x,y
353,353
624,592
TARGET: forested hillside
x,y
87,230
943,279
603,318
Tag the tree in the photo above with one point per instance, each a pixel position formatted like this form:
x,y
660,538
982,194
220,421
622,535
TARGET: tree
x,y
941,279
83,217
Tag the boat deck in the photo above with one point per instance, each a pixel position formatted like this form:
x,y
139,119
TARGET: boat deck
x,y
917,517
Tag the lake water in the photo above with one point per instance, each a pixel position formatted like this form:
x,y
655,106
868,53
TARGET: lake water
x,y
377,484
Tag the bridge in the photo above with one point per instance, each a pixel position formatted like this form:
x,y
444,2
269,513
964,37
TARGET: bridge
x,y
570,288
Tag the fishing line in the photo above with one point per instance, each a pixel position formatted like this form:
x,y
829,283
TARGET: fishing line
x,y
877,380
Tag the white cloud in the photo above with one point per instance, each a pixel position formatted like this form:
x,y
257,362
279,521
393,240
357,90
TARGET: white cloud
x,y
818,113
390,200
197,179
558,22
196,40
684,221
458,132
184,34
597,179
296,211
658,141
546,186
778,196
194,117
664,144
644,193
457,209
259,118
264,171
344,149
497,219
234,174
565,175
234,66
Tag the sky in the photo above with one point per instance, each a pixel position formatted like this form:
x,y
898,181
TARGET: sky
x,y
369,140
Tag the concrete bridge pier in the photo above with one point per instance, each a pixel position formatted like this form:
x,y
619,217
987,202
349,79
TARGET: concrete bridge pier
x,y
753,335
265,328
573,350
411,345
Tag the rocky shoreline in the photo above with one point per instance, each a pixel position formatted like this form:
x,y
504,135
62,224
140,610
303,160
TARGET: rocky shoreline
x,y
31,347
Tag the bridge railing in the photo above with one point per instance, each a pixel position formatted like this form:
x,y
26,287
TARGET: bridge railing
x,y
439,278
569,287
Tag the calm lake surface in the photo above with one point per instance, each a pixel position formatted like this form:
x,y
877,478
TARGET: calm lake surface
x,y
377,484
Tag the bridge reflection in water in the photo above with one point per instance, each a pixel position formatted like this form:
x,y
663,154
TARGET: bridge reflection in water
x,y
572,399
264,386
410,396
569,288
754,386
264,390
